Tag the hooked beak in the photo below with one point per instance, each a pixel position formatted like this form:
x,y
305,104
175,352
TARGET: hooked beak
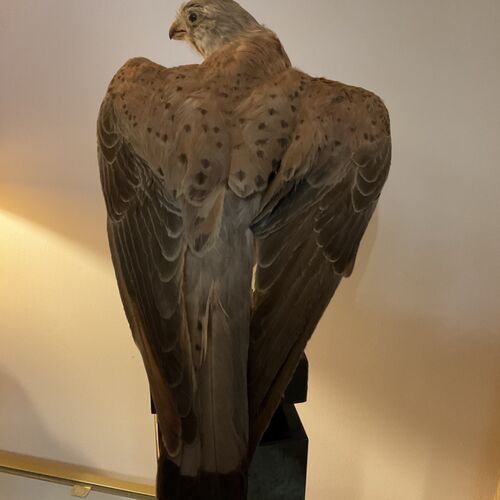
x,y
177,31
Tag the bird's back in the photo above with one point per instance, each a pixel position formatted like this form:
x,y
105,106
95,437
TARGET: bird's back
x,y
209,170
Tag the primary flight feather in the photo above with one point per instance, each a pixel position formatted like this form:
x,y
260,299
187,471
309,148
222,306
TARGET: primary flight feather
x,y
214,173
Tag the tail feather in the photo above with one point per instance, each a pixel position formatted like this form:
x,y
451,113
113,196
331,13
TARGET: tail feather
x,y
172,485
217,295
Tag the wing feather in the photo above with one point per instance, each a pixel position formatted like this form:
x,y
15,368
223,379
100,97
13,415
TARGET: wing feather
x,y
148,242
314,213
164,155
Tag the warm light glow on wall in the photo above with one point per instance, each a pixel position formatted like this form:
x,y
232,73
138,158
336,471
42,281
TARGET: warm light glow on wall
x,y
67,364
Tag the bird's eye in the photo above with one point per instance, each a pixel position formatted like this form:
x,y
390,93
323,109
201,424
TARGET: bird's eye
x,y
193,17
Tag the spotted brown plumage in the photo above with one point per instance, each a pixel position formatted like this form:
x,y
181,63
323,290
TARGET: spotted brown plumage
x,y
210,172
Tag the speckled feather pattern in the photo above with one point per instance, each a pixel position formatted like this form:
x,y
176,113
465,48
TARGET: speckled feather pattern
x,y
208,172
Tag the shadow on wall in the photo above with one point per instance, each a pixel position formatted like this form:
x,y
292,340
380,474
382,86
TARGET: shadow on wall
x,y
22,428
402,393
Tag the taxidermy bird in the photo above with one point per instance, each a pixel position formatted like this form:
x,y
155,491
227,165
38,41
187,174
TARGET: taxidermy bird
x,y
237,191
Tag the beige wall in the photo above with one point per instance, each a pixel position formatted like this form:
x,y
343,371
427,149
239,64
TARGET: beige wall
x,y
405,367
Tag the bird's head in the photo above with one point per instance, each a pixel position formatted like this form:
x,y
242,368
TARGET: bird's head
x,y
209,24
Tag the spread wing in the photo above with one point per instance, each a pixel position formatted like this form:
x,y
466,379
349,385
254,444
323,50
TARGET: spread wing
x,y
321,196
164,204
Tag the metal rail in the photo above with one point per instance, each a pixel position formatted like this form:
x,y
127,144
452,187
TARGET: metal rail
x,y
81,479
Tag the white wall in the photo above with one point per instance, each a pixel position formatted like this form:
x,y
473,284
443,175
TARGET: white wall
x,y
405,367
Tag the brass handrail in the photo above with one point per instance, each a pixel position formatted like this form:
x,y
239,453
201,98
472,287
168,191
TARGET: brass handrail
x,y
72,475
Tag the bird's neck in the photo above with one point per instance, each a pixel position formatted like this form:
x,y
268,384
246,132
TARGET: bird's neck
x,y
258,53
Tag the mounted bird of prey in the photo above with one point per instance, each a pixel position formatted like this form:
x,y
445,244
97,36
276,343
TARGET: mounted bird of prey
x,y
237,191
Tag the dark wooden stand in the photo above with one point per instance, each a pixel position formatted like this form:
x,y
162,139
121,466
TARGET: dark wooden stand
x,y
279,468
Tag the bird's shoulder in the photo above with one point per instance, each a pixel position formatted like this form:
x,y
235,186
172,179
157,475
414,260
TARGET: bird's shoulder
x,y
347,106
294,121
140,77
